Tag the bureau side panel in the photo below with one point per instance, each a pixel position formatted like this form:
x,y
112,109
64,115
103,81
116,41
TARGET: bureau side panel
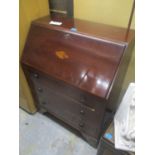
x,y
116,88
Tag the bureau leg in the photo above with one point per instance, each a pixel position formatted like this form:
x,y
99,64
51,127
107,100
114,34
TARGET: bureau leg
x,y
92,141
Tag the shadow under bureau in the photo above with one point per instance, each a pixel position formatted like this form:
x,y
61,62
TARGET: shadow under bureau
x,y
76,70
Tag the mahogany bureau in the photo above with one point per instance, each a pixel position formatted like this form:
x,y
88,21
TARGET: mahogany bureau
x,y
75,70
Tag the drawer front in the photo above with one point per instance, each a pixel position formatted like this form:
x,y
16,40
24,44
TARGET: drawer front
x,y
66,104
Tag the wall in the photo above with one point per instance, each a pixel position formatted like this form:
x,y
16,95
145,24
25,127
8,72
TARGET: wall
x,y
112,12
28,11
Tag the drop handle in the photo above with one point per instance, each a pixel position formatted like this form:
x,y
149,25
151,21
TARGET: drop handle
x,y
81,124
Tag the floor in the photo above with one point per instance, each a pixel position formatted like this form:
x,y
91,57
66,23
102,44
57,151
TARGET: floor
x,y
40,135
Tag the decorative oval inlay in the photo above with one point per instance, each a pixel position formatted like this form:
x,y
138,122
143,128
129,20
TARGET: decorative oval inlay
x,y
61,55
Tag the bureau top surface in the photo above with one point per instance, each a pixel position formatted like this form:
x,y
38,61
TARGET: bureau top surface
x,y
85,62
107,32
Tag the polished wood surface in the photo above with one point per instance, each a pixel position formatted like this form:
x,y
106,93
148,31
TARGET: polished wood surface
x,y
95,73
76,75
91,29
